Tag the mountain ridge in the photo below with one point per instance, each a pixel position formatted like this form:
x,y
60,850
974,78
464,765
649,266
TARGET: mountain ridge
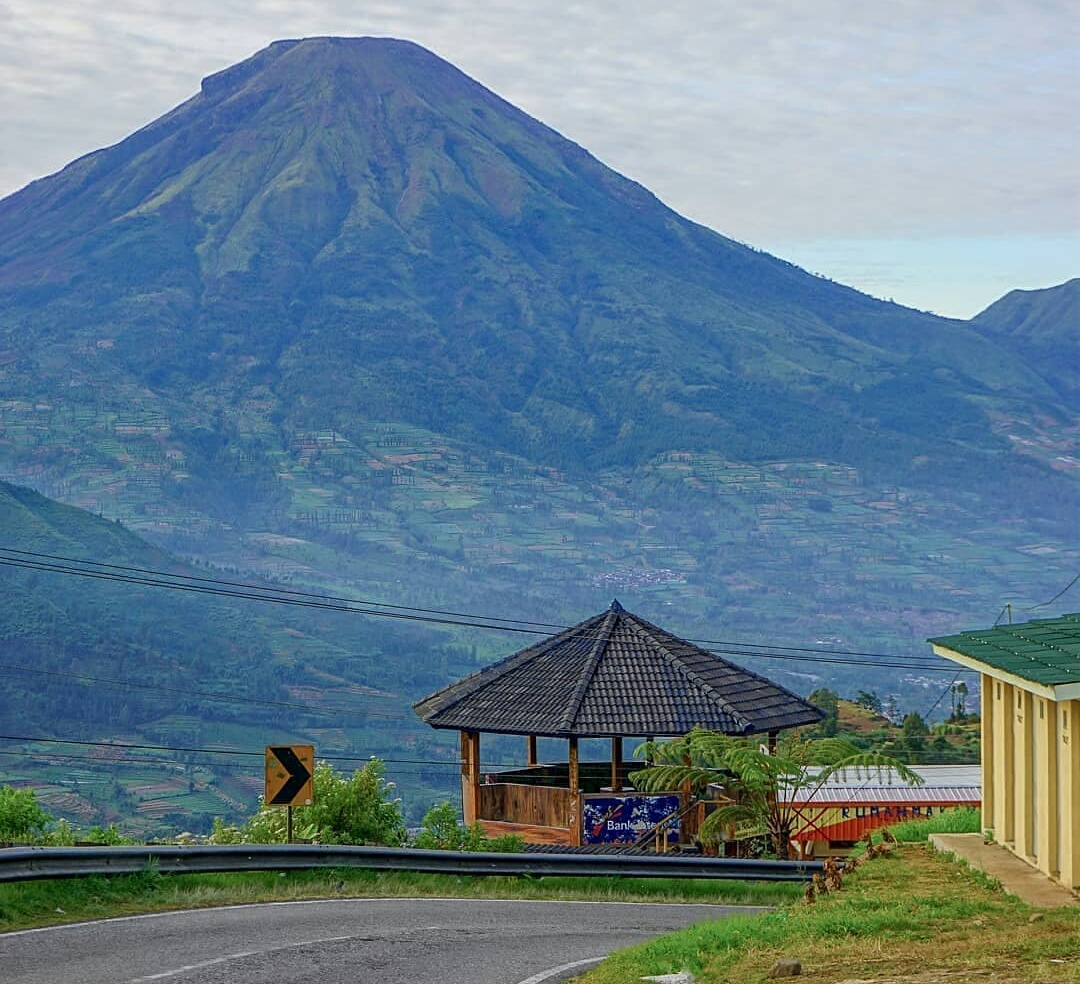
x,y
1039,326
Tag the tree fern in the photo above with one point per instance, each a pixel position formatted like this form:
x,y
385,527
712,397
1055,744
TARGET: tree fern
x,y
760,784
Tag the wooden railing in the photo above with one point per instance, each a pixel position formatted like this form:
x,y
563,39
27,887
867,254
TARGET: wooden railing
x,y
542,806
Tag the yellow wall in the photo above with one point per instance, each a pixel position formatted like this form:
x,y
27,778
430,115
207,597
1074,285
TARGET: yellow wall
x,y
1002,782
987,711
1031,776
1044,715
1068,752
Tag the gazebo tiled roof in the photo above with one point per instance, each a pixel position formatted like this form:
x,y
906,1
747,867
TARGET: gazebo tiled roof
x,y
615,675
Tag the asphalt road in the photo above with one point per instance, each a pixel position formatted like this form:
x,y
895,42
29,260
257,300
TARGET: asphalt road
x,y
344,941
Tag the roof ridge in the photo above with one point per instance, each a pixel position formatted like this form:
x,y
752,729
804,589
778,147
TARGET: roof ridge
x,y
595,655
493,671
727,662
639,624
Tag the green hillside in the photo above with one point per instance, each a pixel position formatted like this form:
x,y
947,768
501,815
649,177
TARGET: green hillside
x,y
105,664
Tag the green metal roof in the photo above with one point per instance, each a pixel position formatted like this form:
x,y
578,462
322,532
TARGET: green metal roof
x,y
1043,651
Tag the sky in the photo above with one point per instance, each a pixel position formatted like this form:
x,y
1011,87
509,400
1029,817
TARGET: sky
x,y
925,151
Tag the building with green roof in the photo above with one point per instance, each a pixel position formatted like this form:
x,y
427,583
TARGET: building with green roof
x,y
1030,706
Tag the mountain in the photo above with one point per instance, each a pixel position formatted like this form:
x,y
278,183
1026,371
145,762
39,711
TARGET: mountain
x,y
347,318
342,229
1042,329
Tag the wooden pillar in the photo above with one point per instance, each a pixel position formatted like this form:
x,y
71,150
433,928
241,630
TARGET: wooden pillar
x,y
530,751
574,818
470,776
616,764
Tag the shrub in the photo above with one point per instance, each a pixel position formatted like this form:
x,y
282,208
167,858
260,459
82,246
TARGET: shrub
x,y
224,833
354,810
358,810
106,836
21,816
440,831
62,835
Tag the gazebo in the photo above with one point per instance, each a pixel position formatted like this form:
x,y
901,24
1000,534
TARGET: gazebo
x,y
612,676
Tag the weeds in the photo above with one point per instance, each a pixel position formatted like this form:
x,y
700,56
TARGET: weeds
x,y
964,820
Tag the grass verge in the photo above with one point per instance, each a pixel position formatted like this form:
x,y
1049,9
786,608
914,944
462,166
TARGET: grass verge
x,y
25,905
913,916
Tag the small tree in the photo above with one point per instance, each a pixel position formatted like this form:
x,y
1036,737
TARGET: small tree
x,y
913,732
959,702
761,785
829,702
869,700
21,816
440,830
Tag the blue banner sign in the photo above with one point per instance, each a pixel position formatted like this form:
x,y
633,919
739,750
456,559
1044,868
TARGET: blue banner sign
x,y
623,819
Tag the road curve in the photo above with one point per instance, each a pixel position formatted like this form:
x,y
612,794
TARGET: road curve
x,y
344,941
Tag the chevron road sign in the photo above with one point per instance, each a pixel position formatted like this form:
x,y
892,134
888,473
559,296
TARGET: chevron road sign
x,y
288,775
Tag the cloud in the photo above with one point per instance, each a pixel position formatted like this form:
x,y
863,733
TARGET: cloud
x,y
768,121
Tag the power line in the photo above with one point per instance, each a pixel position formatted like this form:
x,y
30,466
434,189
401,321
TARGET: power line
x,y
171,690
228,698
906,664
247,586
1055,598
948,687
514,624
234,768
128,759
141,746
214,586
251,594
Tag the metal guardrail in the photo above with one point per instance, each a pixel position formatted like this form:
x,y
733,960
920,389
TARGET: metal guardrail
x,y
30,863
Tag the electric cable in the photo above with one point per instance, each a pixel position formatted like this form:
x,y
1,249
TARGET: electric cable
x,y
228,698
821,656
1055,598
142,746
281,595
226,769
276,590
949,686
